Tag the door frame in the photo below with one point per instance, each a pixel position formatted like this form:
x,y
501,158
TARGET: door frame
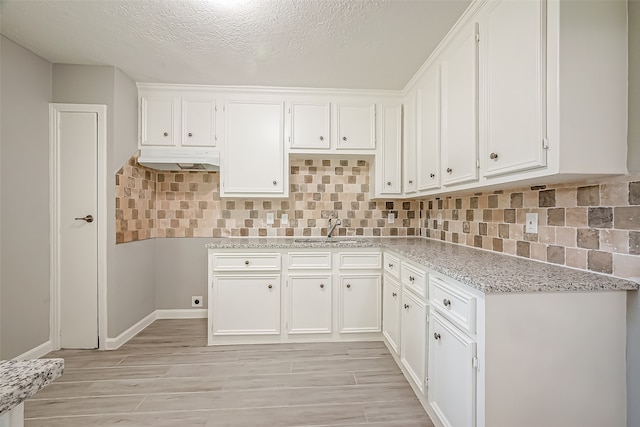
x,y
54,209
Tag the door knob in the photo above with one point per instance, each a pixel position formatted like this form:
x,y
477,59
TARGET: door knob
x,y
88,218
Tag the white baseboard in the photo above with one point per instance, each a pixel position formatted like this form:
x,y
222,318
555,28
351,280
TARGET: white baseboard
x,y
36,352
187,313
117,342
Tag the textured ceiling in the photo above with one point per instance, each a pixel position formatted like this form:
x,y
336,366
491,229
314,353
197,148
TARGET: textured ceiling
x,y
361,44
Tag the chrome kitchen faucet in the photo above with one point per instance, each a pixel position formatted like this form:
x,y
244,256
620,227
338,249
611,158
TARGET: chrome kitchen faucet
x,y
331,227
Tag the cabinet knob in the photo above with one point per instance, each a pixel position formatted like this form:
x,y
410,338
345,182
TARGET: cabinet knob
x,y
446,302
411,278
275,182
493,156
388,182
348,285
433,175
270,286
406,306
393,294
390,265
436,336
246,262
344,138
410,181
166,134
321,138
449,170
189,134
321,285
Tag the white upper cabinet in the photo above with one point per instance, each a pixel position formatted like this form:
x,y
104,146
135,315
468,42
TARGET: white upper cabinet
x,y
253,156
459,108
428,129
388,160
310,125
177,120
409,161
198,123
355,126
513,45
157,119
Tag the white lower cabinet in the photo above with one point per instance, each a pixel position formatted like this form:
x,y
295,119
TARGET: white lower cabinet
x,y
452,374
309,304
413,340
359,303
391,303
246,304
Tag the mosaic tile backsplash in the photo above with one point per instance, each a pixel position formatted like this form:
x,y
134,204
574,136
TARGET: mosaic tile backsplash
x,y
187,204
590,225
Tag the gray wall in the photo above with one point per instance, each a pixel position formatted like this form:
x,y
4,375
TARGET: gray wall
x,y
24,207
181,271
130,274
633,302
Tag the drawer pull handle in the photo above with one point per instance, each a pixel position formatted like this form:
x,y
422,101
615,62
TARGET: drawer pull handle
x,y
270,286
406,306
246,262
390,265
447,303
393,294
321,285
432,175
190,134
436,336
348,285
166,134
411,278
493,156
449,170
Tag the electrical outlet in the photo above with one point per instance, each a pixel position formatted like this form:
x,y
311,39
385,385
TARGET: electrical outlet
x,y
391,217
531,220
284,219
270,218
196,301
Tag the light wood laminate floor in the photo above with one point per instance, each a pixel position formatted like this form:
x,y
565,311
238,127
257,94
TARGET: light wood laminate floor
x,y
167,376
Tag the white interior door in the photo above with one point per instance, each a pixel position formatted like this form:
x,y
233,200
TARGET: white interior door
x,y
77,143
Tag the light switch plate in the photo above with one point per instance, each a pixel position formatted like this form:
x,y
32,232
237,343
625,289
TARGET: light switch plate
x,y
270,218
391,217
531,220
284,219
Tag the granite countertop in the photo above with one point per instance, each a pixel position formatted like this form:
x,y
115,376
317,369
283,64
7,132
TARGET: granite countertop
x,y
489,272
21,379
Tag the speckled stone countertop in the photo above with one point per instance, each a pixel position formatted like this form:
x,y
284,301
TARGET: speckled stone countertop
x,y
488,272
19,380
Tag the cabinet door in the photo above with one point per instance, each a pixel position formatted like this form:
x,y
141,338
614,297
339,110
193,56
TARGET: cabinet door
x,y
360,308
388,163
391,313
309,304
356,126
410,179
158,118
198,123
459,70
310,125
452,375
414,338
246,305
428,122
254,149
513,48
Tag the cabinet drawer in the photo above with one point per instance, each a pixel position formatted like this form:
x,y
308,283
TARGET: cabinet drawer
x,y
246,262
310,261
414,279
360,261
453,303
392,266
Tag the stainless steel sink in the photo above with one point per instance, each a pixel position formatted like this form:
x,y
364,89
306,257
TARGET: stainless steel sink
x,y
344,241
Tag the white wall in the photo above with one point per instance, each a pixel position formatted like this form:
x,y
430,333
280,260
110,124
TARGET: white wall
x,y
633,302
181,271
24,204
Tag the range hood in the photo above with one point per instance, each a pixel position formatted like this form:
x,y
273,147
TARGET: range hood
x,y
180,160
